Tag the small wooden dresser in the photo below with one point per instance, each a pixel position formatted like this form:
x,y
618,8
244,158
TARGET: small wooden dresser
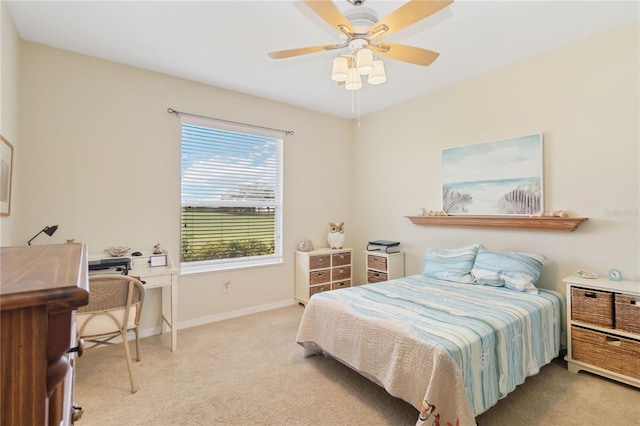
x,y
40,289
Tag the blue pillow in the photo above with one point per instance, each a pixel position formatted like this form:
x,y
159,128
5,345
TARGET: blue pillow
x,y
450,264
514,270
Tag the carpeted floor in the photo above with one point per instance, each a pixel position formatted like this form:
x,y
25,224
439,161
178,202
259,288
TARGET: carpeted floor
x,y
250,371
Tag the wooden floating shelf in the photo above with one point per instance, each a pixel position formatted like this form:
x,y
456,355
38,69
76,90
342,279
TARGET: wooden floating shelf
x,y
565,224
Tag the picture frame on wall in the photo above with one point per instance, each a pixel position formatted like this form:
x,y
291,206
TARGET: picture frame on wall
x,y
6,175
503,177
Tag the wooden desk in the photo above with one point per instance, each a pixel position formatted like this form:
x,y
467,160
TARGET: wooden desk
x,y
40,289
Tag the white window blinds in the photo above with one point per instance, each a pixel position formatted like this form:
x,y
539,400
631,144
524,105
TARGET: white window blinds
x,y
231,193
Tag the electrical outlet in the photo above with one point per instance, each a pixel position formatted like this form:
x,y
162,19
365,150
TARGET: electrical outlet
x,y
227,286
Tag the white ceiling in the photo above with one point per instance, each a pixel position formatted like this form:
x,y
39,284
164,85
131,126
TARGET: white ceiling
x,y
225,43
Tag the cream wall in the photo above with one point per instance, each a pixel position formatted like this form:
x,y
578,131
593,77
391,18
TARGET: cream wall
x,y
9,76
101,158
99,155
583,97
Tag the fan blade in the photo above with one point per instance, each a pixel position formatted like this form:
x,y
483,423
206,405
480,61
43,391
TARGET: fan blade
x,y
409,13
302,51
328,11
401,52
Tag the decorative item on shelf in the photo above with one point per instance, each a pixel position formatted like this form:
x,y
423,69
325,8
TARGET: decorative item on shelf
x,y
49,230
615,275
420,211
587,274
335,238
157,249
305,245
435,213
71,240
553,213
117,251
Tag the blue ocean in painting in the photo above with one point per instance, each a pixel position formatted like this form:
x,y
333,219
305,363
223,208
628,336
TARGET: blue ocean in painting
x,y
504,196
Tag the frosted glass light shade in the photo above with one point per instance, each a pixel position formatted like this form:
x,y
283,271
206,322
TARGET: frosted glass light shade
x,y
353,82
377,76
340,70
364,61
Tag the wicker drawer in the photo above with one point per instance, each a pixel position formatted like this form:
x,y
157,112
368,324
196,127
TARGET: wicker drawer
x,y
627,313
592,307
376,277
377,262
612,353
341,259
319,262
340,284
318,289
340,273
319,277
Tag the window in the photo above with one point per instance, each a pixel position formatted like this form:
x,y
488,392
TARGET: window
x,y
231,186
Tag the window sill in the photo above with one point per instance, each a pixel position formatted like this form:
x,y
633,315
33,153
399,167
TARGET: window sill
x,y
189,269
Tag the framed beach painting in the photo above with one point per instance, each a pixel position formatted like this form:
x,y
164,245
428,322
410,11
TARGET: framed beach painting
x,y
503,177
6,174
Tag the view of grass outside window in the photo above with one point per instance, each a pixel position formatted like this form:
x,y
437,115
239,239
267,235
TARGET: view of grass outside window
x,y
231,195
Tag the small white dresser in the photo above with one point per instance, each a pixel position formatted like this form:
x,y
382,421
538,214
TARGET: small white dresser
x,y
384,266
322,270
603,328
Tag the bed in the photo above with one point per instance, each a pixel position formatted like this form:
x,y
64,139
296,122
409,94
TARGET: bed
x,y
451,349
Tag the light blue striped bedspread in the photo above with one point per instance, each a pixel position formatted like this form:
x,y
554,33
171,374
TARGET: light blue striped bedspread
x,y
496,336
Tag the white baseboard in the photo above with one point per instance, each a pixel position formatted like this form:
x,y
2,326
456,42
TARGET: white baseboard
x,y
220,317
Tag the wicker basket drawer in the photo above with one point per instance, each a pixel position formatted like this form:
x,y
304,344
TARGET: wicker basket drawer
x,y
319,277
341,259
628,313
319,262
376,277
340,273
609,352
377,262
592,306
318,289
340,284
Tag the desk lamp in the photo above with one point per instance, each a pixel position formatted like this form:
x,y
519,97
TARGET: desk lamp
x,y
49,230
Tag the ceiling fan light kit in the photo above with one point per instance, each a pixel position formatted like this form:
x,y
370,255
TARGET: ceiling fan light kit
x,y
354,82
340,70
364,61
360,31
377,76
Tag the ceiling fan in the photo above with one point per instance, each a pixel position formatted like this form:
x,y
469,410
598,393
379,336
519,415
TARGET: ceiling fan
x,y
357,37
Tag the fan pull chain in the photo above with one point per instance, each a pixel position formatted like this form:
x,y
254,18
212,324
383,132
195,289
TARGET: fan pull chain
x,y
355,106
358,106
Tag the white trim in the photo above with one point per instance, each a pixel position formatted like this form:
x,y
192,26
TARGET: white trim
x,y
154,331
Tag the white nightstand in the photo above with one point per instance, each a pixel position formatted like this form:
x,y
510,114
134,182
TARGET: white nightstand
x,y
384,266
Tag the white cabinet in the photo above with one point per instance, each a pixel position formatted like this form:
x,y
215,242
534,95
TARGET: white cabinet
x,y
603,328
322,270
384,266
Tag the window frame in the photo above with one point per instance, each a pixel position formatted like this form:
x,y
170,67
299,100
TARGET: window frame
x,y
203,266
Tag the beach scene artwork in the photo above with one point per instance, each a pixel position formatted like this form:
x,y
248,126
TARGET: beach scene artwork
x,y
502,177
